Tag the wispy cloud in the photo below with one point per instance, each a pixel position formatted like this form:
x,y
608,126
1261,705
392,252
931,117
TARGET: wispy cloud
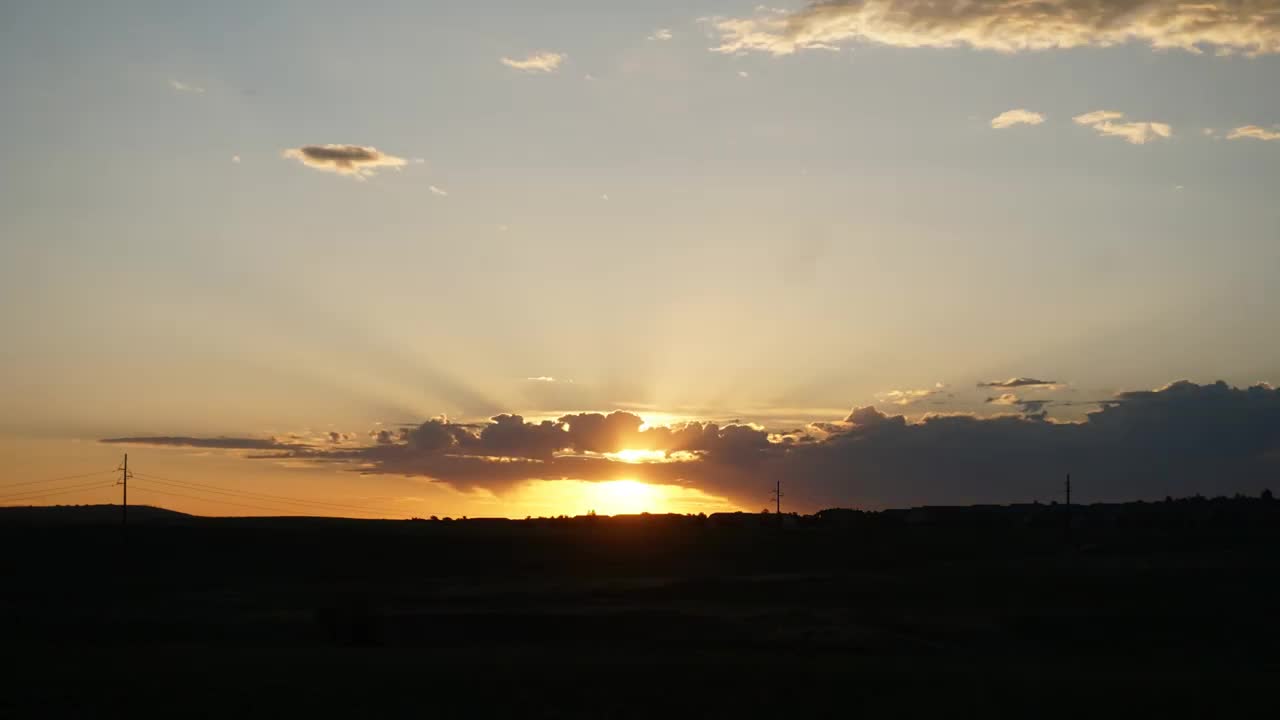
x,y
538,62
1030,407
661,34
909,397
357,161
1017,382
1107,122
217,443
1255,132
1020,116
438,191
547,379
185,87
1226,26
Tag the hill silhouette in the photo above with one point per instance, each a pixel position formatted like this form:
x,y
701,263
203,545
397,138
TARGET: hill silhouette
x,y
87,515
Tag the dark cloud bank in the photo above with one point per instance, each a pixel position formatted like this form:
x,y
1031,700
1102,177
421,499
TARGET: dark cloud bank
x,y
1179,440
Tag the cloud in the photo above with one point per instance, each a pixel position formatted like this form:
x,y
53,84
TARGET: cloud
x,y
221,443
1255,132
1017,382
661,34
546,379
1004,399
1137,133
538,62
185,87
235,159
1098,116
1030,407
1225,26
1180,439
743,74
1020,116
358,161
437,191
909,397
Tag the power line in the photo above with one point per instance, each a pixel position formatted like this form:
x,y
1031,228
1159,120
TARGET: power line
x,y
239,495
213,500
293,511
57,479
203,487
28,496
39,492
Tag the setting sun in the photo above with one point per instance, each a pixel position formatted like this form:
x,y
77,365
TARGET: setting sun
x,y
624,497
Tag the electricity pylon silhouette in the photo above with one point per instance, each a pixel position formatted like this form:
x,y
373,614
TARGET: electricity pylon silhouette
x,y
777,500
124,490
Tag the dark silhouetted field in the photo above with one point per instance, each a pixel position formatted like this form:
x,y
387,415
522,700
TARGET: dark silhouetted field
x,y
1145,610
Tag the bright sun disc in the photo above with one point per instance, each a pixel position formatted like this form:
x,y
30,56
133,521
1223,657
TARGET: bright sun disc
x,y
623,497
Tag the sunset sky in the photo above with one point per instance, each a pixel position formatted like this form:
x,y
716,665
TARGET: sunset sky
x,y
884,253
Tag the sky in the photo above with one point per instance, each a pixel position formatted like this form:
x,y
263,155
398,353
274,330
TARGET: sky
x,y
888,252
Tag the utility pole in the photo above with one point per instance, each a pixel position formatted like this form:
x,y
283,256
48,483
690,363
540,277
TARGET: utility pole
x,y
124,491
777,498
1068,510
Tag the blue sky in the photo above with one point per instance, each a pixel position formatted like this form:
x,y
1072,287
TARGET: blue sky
x,y
771,238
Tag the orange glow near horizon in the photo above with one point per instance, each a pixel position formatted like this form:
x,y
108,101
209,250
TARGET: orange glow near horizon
x,y
223,483
612,497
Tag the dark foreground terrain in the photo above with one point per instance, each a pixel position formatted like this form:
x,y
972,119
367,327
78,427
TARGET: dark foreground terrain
x,y
1137,611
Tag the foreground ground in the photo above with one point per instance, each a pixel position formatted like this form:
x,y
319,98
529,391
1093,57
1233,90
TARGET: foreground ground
x,y
639,617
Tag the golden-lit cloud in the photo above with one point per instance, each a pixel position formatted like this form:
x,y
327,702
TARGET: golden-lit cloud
x,y
1016,382
357,161
909,397
1255,132
1027,406
1147,443
1225,26
661,34
538,62
1108,123
439,192
1020,116
185,87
